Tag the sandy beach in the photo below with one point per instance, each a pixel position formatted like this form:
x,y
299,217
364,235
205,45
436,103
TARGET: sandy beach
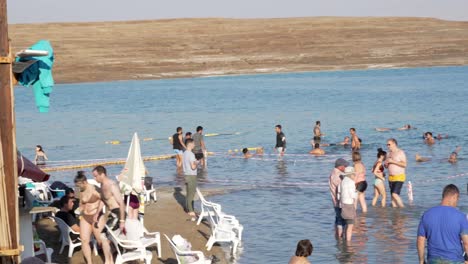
x,y
137,50
166,216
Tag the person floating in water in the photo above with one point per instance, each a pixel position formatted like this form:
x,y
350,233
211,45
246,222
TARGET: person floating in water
x,y
247,154
345,142
428,138
405,127
420,158
41,157
317,151
454,155
280,140
355,140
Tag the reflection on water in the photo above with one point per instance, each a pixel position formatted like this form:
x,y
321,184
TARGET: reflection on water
x,y
283,199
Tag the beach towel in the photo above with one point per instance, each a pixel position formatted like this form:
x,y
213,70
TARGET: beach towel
x,y
39,75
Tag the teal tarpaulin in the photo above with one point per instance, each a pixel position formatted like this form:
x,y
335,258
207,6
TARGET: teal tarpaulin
x,y
39,75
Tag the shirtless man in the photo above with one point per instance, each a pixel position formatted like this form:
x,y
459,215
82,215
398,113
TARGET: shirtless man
x,y
246,153
317,150
396,165
454,155
317,133
355,141
90,207
428,138
111,197
345,142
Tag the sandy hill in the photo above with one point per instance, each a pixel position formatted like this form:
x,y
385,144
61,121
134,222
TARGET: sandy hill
x,y
200,47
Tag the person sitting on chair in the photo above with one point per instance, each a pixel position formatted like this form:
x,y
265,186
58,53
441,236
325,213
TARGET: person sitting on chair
x,y
66,205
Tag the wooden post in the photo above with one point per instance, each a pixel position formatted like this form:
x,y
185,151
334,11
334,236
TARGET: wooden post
x,y
8,143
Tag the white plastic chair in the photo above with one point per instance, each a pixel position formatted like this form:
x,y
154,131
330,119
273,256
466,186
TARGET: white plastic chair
x,y
151,193
207,208
137,232
228,222
221,234
131,250
41,192
151,238
43,249
65,238
180,254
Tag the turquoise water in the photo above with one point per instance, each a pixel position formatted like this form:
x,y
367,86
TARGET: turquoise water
x,y
279,201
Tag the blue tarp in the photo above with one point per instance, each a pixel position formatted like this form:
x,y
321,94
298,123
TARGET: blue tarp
x,y
39,75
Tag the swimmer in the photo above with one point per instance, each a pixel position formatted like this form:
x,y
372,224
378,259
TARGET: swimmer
x,y
440,136
454,155
428,138
259,151
345,142
382,129
406,127
246,153
317,150
419,158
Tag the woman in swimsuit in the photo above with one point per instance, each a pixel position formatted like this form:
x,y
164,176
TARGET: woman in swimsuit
x,y
41,157
360,179
90,208
378,170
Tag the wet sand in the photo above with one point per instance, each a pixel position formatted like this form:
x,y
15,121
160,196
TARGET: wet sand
x,y
136,50
166,216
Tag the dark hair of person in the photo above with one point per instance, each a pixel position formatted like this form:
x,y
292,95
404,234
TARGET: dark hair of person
x,y
40,148
189,140
245,150
64,200
199,128
353,129
68,191
80,177
356,156
317,123
304,248
429,133
317,145
278,126
188,134
450,190
360,140
179,129
100,170
393,140
381,152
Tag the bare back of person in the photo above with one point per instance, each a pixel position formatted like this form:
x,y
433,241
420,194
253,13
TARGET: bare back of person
x,y
298,260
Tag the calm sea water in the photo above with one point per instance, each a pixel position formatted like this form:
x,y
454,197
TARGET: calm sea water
x,y
278,201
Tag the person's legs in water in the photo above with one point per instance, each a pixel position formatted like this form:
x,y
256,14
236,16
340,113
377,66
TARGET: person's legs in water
x,y
362,201
395,191
339,222
86,229
376,195
349,230
381,189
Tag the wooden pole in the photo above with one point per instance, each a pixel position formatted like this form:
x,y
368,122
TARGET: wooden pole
x,y
8,143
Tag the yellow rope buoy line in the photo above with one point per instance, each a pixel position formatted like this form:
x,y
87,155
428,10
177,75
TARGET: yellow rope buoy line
x,y
108,162
118,142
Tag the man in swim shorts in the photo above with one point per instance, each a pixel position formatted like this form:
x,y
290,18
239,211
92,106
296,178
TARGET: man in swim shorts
x,y
280,140
112,198
317,133
200,148
334,181
355,140
179,146
396,165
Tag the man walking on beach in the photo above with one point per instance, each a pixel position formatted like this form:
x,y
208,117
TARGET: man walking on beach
x,y
396,165
355,141
280,140
334,181
443,228
199,145
189,165
178,146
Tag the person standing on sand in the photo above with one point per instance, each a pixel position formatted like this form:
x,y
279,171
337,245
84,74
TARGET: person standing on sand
x,y
361,183
445,230
178,145
379,182
347,197
280,140
317,133
189,165
199,148
396,165
334,181
355,141
303,251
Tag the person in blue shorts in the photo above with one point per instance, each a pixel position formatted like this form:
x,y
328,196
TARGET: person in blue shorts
x,y
443,228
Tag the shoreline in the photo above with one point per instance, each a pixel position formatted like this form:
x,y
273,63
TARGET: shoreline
x,y
206,47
